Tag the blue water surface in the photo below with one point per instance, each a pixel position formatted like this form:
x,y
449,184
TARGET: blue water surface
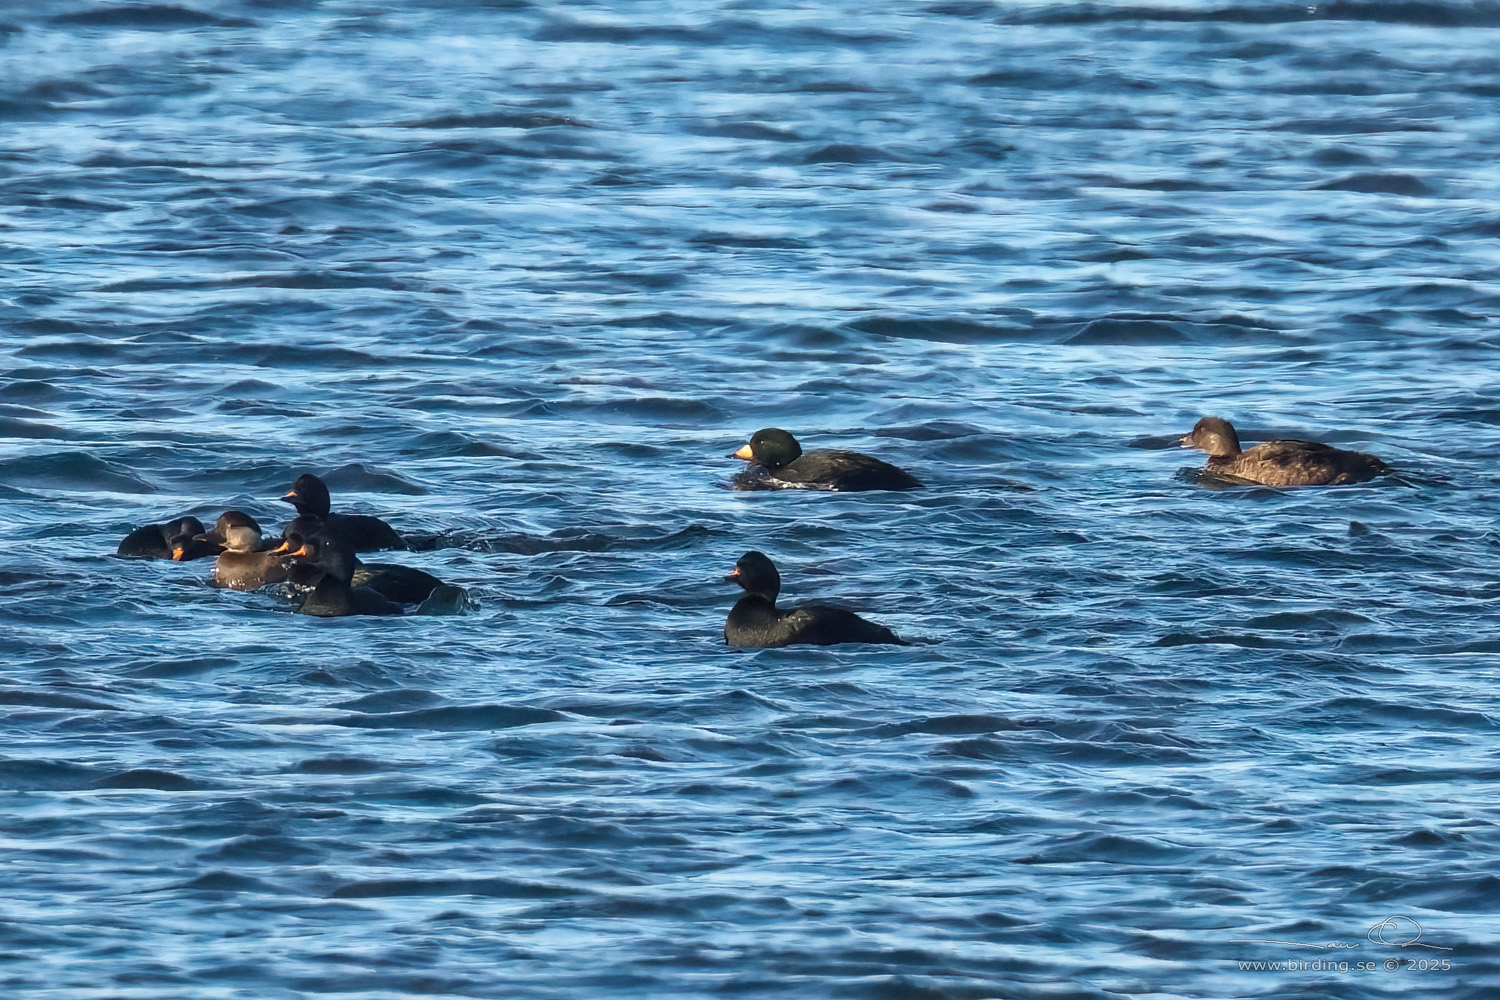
x,y
518,275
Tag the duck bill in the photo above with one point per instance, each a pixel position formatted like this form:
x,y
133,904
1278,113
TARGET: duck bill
x,y
734,576
301,553
281,549
291,496
743,453
179,553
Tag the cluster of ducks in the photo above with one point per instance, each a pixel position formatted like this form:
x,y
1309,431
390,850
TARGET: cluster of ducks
x,y
315,557
777,462
316,554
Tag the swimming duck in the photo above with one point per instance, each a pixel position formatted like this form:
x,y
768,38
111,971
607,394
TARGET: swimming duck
x,y
786,467
162,541
756,622
242,565
363,532
1281,462
402,584
328,558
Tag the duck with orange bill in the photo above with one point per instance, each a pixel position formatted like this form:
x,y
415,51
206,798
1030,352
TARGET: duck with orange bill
x,y
324,562
755,622
402,584
166,540
363,532
777,462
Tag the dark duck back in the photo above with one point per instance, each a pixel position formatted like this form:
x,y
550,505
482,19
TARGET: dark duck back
x,y
242,565
755,622
1282,462
164,541
779,463
363,532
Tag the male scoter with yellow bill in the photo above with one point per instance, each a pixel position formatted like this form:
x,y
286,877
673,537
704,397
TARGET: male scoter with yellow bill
x,y
778,463
363,532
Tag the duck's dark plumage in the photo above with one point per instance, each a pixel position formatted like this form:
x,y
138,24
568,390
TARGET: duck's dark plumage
x,y
243,564
402,584
1281,462
161,541
756,622
781,464
327,562
363,532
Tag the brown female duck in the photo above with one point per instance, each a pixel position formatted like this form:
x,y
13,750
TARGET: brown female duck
x,y
243,564
1280,462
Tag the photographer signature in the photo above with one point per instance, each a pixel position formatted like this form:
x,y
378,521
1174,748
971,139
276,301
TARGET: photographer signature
x,y
1396,931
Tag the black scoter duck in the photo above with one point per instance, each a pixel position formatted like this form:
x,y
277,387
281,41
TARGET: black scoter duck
x,y
326,561
402,584
363,532
163,541
243,564
1279,463
756,622
780,464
